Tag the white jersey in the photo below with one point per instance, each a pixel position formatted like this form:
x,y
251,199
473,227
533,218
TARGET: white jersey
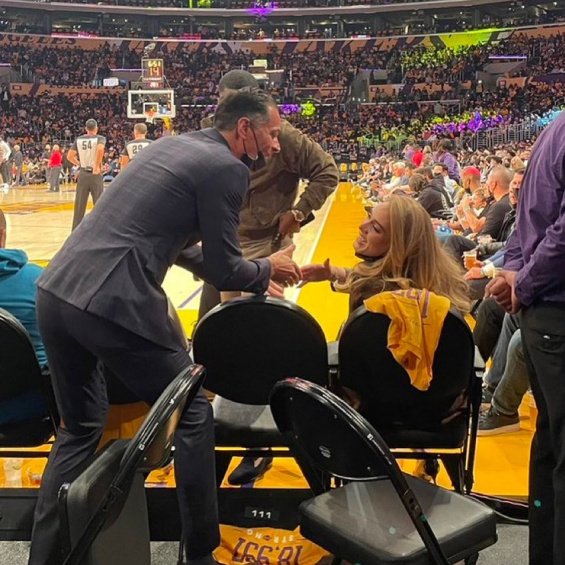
x,y
5,151
134,146
85,146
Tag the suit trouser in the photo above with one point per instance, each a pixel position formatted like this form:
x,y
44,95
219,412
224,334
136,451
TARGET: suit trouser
x,y
88,183
77,344
543,339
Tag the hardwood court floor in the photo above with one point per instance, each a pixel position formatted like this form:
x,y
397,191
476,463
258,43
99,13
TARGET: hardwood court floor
x,y
39,221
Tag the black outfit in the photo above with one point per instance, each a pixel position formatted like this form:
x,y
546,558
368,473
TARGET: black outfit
x,y
434,197
495,214
490,316
101,304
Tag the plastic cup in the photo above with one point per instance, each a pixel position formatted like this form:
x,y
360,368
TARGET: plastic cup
x,y
470,258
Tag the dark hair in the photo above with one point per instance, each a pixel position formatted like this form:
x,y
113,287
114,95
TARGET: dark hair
x,y
254,105
418,182
236,80
442,165
425,171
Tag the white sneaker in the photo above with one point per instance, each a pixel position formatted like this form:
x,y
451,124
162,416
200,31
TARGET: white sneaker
x,y
5,188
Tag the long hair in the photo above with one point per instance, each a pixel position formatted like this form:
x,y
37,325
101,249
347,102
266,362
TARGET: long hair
x,y
415,259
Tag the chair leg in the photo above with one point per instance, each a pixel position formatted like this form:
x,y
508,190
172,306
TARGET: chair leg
x,y
180,558
472,559
455,469
223,459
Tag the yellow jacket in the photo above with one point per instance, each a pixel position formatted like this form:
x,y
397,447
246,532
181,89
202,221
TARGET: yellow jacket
x,y
417,318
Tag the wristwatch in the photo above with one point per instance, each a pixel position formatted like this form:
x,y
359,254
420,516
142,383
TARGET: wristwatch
x,y
298,215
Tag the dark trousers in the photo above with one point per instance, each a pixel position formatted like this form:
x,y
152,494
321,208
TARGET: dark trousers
x,y
543,339
490,316
78,345
87,183
456,245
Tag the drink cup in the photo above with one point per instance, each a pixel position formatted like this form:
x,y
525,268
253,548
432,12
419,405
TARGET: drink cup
x,y
470,259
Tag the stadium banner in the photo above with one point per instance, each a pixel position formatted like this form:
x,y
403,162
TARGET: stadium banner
x,y
263,47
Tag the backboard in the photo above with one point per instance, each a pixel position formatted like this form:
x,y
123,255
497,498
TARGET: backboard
x,y
152,103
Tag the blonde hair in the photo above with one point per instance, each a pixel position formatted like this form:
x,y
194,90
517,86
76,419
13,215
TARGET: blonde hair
x,y
415,259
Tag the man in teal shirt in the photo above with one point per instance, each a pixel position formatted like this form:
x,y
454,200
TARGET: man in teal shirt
x,y
17,296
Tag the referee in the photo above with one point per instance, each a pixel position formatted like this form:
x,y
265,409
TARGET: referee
x,y
135,145
87,153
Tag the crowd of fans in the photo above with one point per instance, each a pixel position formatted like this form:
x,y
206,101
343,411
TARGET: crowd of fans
x,y
414,111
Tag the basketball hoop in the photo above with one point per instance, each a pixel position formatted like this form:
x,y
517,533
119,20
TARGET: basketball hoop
x,y
150,115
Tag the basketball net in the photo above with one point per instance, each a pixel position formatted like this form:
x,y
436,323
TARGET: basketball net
x,y
150,116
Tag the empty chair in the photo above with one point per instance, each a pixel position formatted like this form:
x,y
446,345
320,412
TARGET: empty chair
x,y
247,345
104,510
381,515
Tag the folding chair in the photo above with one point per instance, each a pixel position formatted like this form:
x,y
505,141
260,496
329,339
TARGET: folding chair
x,y
440,422
104,510
21,373
247,345
381,515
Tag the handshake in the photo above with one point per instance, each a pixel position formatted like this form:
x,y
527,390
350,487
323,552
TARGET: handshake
x,y
285,272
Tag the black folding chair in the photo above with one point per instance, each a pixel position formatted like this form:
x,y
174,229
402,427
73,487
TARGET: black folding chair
x,y
103,511
247,345
440,422
20,373
381,515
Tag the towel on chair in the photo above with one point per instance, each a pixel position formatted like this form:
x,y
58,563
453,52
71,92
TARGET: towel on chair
x,y
417,318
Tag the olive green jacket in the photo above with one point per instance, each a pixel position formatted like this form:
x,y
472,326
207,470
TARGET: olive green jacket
x,y
273,189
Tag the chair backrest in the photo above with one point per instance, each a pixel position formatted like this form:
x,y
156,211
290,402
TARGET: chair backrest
x,y
368,367
326,434
97,497
248,344
19,368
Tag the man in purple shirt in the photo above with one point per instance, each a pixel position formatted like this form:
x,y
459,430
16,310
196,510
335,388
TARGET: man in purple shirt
x,y
534,282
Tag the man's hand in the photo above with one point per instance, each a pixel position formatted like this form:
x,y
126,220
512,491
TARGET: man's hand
x,y
287,224
475,272
317,273
502,289
275,290
283,269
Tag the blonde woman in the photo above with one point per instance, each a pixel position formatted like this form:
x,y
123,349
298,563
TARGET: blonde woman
x,y
398,249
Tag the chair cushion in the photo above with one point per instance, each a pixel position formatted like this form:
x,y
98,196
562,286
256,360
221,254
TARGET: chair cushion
x,y
367,523
245,425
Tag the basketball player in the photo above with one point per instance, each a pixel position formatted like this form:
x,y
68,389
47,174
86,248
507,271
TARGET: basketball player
x,y
134,146
87,153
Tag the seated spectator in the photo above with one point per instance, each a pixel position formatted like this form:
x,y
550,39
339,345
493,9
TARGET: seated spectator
x,y
491,218
399,176
492,253
441,171
430,194
17,296
398,250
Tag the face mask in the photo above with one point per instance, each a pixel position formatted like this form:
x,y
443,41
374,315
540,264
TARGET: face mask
x,y
254,163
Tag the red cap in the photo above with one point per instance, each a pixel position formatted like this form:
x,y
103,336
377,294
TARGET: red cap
x,y
471,171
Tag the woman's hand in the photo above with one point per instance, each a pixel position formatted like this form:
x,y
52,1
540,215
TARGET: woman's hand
x,y
316,273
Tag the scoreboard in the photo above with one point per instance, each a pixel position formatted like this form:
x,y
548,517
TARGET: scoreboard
x,y
153,73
